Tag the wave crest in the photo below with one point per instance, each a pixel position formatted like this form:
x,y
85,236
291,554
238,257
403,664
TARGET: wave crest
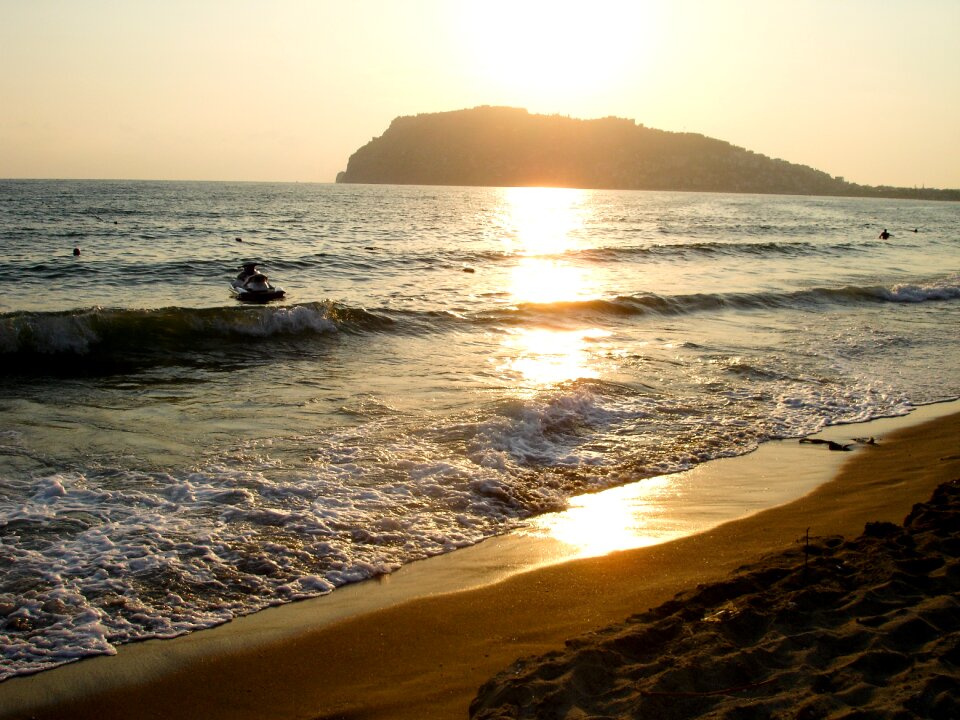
x,y
654,304
110,336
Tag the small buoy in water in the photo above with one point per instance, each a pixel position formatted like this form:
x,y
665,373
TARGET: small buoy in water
x,y
469,270
76,251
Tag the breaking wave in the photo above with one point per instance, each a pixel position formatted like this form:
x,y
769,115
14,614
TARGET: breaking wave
x,y
109,337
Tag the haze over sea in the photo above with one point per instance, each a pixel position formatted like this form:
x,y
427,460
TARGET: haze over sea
x,y
448,363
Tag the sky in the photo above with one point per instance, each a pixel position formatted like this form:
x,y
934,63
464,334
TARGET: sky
x,y
287,90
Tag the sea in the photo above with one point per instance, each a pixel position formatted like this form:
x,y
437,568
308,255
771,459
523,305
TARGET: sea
x,y
448,364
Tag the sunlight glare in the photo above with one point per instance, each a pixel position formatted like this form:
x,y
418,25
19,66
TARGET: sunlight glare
x,y
541,221
546,281
552,53
545,356
621,518
540,225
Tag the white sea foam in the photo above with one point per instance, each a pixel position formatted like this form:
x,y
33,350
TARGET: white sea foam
x,y
945,289
280,321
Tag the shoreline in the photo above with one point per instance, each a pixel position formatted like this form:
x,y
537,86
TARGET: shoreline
x,y
419,643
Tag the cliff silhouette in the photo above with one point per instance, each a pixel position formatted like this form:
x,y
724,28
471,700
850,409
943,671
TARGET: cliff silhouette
x,y
509,147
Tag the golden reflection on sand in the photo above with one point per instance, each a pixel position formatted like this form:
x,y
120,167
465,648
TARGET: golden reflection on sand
x,y
621,518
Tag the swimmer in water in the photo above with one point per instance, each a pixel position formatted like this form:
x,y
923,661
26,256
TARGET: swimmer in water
x,y
884,235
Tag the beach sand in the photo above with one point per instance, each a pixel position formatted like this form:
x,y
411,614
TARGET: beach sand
x,y
868,628
427,657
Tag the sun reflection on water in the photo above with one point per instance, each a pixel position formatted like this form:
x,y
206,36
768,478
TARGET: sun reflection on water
x,y
536,280
542,221
542,356
540,227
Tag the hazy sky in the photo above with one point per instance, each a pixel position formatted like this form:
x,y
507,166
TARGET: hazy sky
x,y
288,89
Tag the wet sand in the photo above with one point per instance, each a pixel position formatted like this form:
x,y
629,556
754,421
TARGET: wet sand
x,y
384,655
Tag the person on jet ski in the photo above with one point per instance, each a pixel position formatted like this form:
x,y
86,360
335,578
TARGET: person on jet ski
x,y
248,271
257,283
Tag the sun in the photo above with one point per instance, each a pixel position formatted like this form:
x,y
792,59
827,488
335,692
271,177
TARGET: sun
x,y
555,54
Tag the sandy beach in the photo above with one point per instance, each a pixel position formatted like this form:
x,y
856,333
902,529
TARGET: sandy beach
x,y
832,629
427,657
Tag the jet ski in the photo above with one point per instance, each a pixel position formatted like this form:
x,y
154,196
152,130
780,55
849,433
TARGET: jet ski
x,y
251,285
